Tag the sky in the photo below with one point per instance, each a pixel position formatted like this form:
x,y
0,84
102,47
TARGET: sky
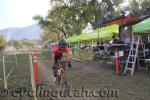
x,y
19,13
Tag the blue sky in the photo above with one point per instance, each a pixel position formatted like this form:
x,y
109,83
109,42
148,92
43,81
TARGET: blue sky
x,y
19,13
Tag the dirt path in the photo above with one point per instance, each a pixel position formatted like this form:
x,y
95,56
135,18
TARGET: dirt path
x,y
47,77
92,75
46,73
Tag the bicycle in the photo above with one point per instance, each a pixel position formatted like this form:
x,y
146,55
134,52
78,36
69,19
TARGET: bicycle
x,y
60,74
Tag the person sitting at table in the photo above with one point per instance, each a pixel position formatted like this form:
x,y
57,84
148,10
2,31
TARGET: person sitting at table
x,y
127,39
114,40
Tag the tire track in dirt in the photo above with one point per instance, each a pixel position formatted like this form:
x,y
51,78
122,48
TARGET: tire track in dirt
x,y
48,77
46,74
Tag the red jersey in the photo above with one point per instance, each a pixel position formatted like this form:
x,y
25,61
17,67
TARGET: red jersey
x,y
57,51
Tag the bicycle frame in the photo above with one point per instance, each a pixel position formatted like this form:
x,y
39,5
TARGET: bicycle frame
x,y
60,73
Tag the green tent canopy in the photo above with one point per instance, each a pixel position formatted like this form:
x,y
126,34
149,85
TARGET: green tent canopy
x,y
111,28
70,39
88,36
143,27
101,33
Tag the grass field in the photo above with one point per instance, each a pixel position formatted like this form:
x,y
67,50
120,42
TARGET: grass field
x,y
19,78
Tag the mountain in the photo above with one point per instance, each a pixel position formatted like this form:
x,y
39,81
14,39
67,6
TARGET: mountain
x,y
17,33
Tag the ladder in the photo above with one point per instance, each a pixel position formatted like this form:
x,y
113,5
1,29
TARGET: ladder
x,y
132,57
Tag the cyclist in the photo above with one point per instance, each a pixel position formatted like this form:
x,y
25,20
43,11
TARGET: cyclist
x,y
58,50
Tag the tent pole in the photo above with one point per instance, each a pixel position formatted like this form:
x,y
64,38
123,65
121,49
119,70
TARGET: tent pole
x,y
78,50
132,36
92,46
84,53
98,35
69,48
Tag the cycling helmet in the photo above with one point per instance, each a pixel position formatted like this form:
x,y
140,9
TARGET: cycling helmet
x,y
62,43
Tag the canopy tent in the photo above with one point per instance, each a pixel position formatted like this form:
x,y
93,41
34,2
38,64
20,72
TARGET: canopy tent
x,y
102,33
142,27
70,39
111,28
123,20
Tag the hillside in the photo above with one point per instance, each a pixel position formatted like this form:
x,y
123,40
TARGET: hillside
x,y
30,32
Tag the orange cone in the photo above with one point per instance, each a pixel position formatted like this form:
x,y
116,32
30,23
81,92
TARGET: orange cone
x,y
117,62
35,68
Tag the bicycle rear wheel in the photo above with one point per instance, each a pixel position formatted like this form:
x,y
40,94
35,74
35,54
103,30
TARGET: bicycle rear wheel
x,y
58,79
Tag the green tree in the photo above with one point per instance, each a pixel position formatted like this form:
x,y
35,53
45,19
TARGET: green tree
x,y
49,29
26,42
136,7
15,43
2,41
145,4
71,16
68,17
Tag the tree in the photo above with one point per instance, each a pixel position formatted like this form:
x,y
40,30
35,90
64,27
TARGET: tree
x,y
2,41
71,16
137,8
48,35
26,42
68,17
145,7
49,31
134,8
145,4
15,43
